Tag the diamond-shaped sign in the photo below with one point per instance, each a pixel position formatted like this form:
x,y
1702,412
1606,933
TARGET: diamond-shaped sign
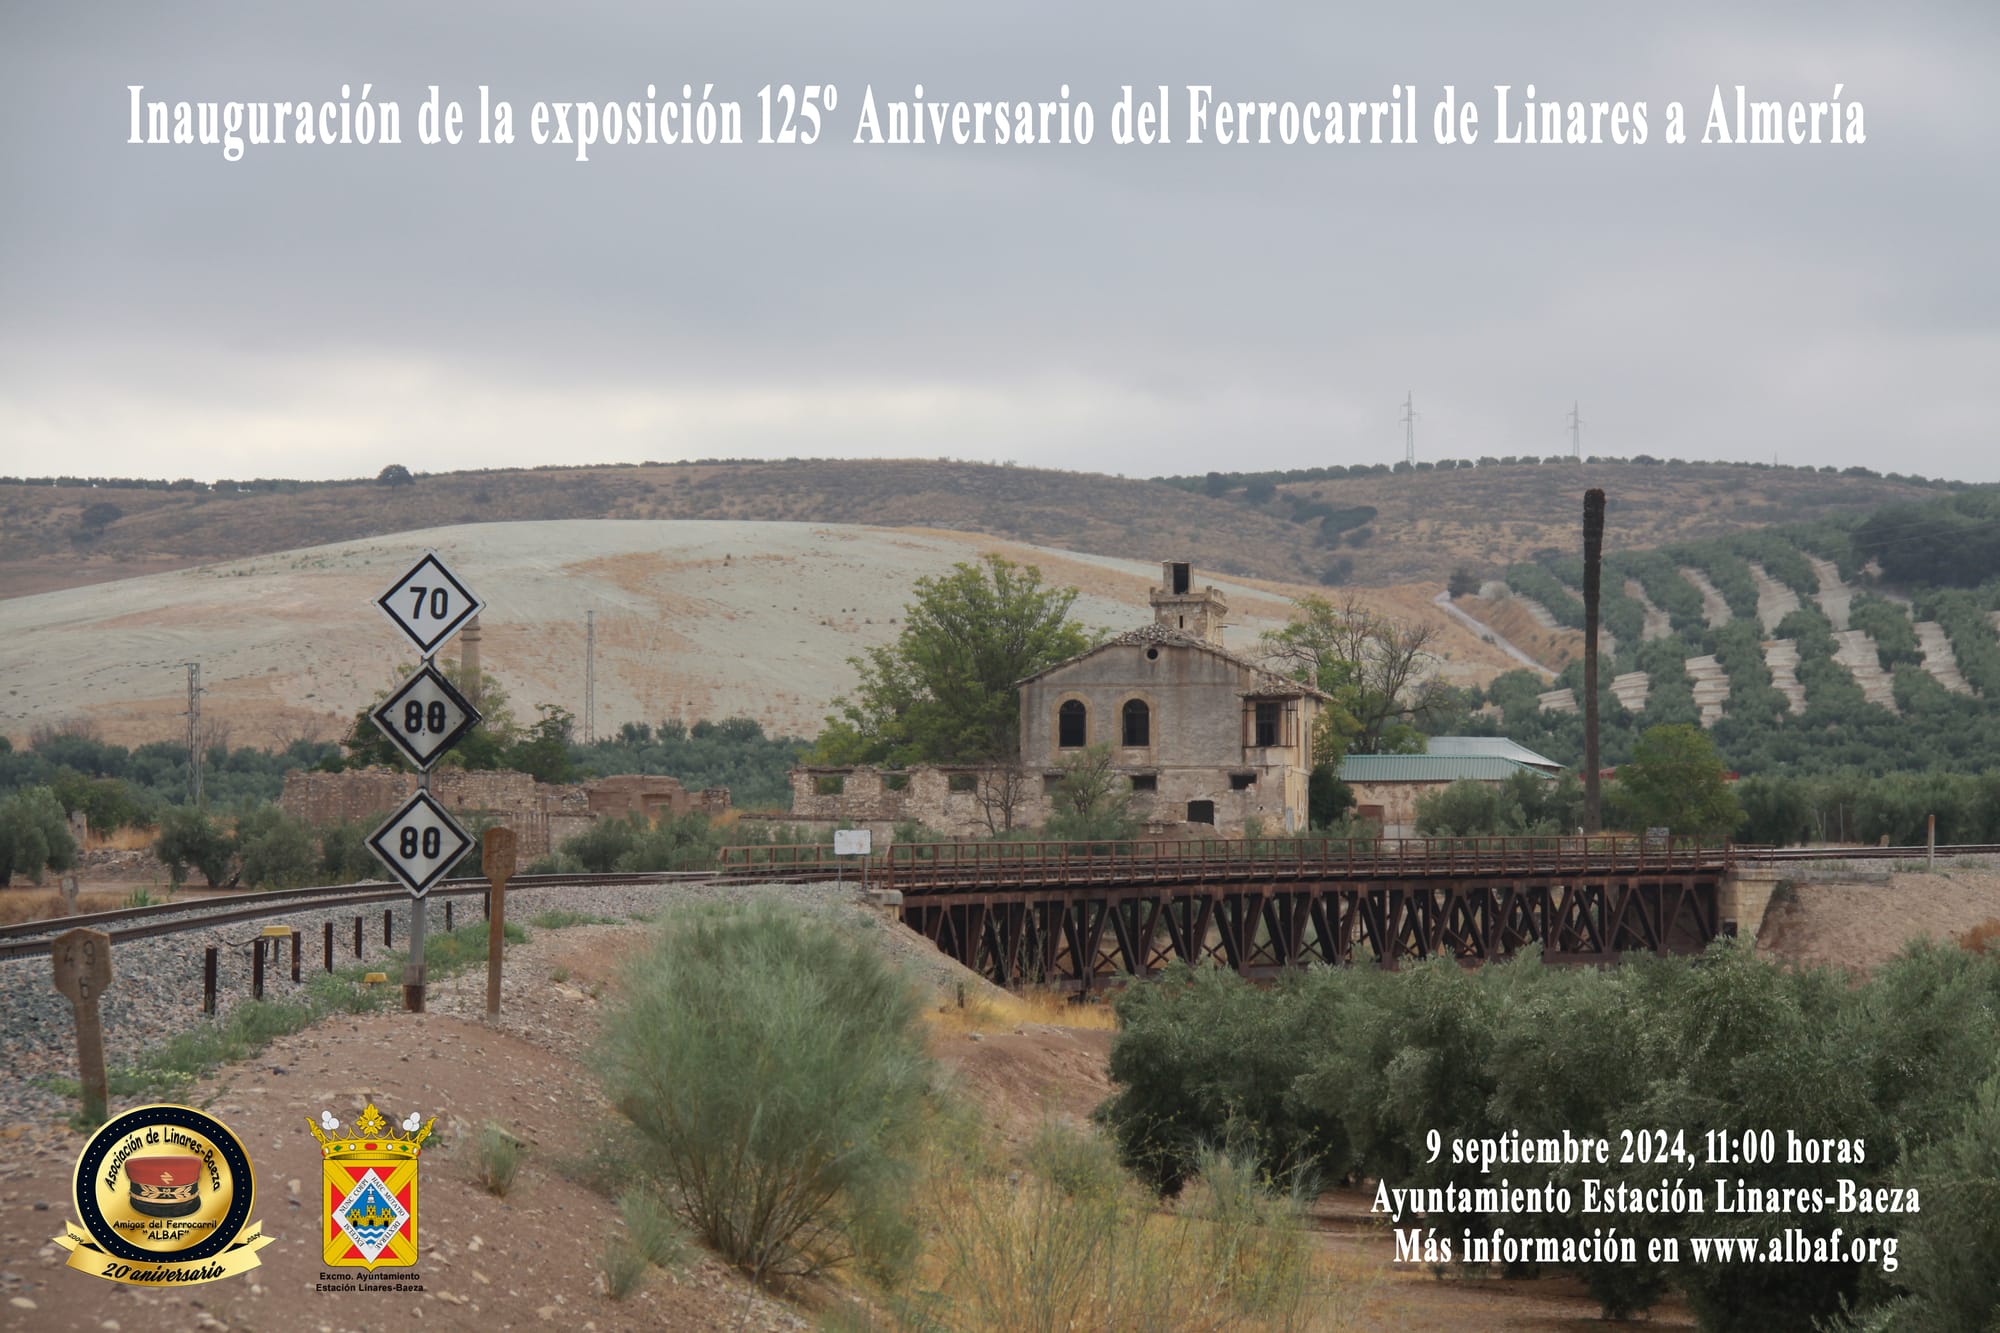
x,y
419,843
426,717
429,603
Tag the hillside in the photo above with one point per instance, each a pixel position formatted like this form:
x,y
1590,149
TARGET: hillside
x,y
693,620
1429,523
1424,524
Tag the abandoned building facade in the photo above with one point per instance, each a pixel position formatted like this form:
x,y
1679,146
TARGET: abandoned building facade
x,y
1207,739
543,816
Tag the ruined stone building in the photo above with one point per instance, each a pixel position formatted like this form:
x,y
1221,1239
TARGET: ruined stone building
x,y
543,816
1204,735
1208,739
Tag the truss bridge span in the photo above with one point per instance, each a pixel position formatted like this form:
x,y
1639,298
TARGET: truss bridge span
x,y
1075,916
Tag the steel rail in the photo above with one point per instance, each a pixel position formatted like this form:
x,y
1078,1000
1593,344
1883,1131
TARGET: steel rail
x,y
32,938
226,897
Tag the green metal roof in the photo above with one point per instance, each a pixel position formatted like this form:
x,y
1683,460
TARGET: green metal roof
x,y
1431,768
1489,747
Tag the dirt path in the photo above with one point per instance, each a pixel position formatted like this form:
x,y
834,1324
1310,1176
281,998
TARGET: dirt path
x,y
1443,602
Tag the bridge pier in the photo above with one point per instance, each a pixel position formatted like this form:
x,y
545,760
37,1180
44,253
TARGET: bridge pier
x,y
1745,896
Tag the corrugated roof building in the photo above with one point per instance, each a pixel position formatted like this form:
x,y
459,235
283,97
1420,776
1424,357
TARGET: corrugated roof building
x,y
1386,786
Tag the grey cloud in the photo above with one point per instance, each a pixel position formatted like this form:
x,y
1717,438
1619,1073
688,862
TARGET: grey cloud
x,y
316,311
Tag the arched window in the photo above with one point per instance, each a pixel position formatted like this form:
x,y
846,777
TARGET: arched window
x,y
1138,723
1070,725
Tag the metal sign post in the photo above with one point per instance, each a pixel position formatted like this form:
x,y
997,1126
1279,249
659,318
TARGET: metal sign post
x,y
425,717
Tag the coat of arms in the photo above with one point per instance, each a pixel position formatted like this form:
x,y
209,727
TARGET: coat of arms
x,y
368,1210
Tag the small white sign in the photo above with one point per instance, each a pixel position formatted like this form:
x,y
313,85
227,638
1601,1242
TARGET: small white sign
x,y
419,843
425,717
852,841
430,603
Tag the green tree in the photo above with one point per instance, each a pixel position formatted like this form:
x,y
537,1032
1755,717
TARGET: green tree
x,y
190,837
945,690
1676,781
1378,671
480,748
1092,799
34,835
277,850
543,751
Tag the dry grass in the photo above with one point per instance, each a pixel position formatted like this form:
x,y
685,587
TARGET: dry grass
x,y
1073,1241
122,840
999,1013
19,904
1982,938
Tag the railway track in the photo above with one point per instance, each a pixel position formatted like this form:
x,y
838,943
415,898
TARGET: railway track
x,y
32,938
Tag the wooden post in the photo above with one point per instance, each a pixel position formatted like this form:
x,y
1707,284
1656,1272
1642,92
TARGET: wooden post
x,y
388,927
208,982
447,916
357,937
1930,842
329,946
497,856
296,938
83,969
257,969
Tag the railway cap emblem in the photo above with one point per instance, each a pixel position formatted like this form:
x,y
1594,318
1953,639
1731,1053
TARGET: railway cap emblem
x,y
368,1189
163,1197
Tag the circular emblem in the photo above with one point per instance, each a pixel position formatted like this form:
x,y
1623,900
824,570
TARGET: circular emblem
x,y
164,1184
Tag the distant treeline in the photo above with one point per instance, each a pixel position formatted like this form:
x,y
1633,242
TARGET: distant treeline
x,y
1221,483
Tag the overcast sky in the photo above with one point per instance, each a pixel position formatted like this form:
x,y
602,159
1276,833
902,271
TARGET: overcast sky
x,y
322,311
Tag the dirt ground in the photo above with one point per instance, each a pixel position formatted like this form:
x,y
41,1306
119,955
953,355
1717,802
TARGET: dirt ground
x,y
1863,925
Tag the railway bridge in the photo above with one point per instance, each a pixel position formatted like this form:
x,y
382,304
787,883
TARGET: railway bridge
x,y
1074,916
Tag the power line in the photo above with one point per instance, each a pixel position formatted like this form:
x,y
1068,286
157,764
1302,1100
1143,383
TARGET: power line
x,y
1410,428
1575,431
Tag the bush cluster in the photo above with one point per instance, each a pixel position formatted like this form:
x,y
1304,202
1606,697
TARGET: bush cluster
x,y
1344,1071
775,1068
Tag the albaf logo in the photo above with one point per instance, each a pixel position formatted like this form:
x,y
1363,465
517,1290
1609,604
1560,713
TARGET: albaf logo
x,y
163,1196
368,1214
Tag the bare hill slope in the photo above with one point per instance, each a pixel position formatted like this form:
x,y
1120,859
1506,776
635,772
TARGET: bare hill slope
x,y
694,620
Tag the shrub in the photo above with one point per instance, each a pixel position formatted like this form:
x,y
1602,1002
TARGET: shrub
x,y
653,1230
621,1266
777,1071
1905,1063
496,1159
